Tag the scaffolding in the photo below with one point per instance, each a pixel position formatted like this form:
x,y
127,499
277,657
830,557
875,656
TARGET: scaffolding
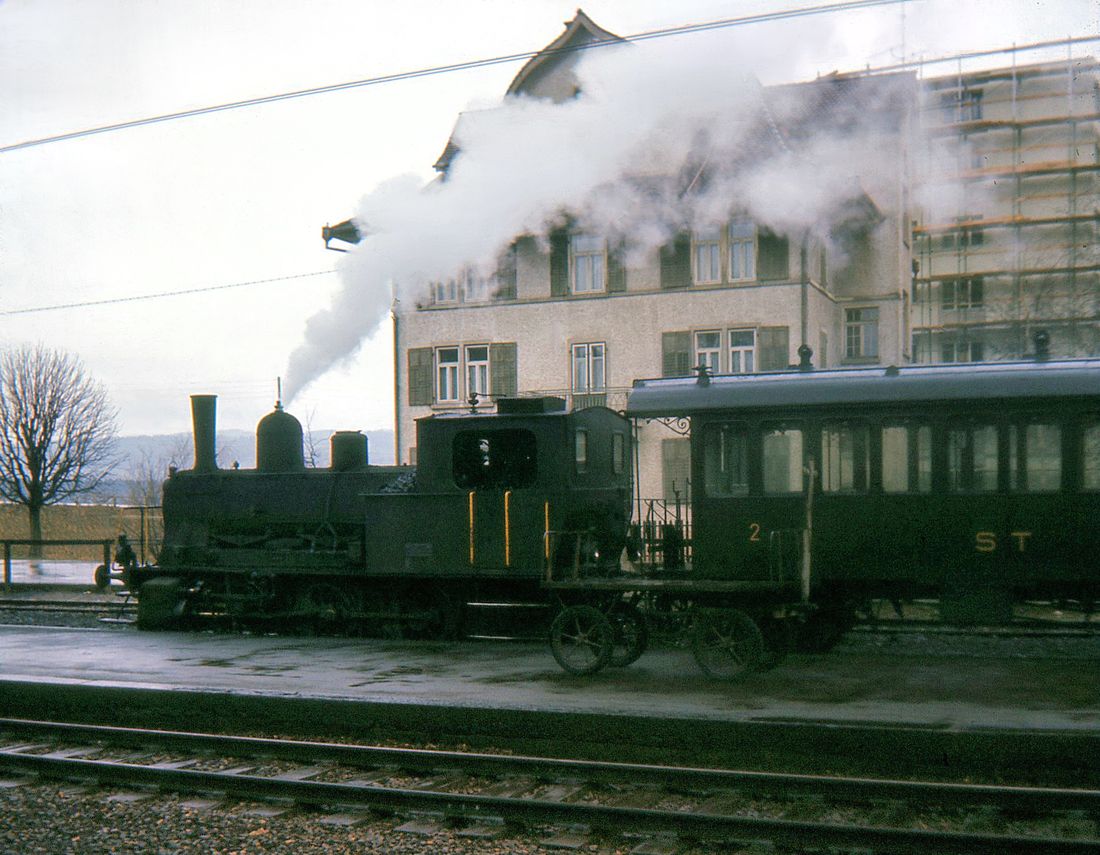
x,y
1005,241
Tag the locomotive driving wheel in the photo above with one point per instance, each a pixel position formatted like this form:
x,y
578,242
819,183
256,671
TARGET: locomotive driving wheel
x,y
631,634
581,639
727,643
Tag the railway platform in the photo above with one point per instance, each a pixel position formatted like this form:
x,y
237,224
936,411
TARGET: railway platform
x,y
889,681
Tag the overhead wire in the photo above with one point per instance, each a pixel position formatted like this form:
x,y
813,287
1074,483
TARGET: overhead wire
x,y
160,294
779,15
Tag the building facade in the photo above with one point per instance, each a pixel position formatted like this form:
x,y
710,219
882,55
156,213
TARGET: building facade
x,y
1005,243
982,234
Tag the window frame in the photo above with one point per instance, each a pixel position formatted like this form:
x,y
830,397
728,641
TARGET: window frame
x,y
868,345
712,240
714,366
484,364
741,234
577,256
454,371
742,350
590,360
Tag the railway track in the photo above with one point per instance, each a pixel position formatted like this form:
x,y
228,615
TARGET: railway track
x,y
492,791
62,606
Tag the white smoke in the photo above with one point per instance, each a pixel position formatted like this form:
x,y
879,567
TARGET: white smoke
x,y
660,138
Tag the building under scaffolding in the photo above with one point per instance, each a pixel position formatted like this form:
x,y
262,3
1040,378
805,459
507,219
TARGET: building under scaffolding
x,y
1008,195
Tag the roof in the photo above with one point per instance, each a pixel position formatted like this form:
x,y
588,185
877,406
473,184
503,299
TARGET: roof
x,y
582,30
677,396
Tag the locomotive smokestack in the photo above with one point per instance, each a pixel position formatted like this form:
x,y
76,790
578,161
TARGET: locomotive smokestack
x,y
204,411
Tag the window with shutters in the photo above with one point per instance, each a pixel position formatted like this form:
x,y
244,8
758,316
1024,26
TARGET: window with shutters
x,y
477,370
706,256
742,251
742,351
446,375
708,350
588,264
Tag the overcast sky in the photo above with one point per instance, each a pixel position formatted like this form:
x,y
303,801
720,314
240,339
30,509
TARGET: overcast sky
x,y
241,196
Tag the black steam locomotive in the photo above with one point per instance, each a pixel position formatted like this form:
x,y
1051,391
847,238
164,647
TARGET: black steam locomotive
x,y
813,493
388,550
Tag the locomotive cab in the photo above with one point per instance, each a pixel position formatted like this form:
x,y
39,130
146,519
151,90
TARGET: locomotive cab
x,y
497,493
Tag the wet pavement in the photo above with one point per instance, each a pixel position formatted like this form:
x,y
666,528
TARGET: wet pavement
x,y
890,682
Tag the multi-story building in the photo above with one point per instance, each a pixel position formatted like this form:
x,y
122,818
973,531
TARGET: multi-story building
x,y
984,231
569,314
1005,243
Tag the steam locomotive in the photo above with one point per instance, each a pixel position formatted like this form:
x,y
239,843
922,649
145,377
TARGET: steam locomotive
x,y
390,550
813,493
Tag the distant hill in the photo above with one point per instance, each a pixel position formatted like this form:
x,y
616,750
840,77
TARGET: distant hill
x,y
144,459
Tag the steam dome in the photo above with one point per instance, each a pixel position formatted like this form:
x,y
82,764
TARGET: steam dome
x,y
279,442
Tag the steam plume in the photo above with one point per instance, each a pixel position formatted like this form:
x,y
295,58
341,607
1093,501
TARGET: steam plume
x,y
658,140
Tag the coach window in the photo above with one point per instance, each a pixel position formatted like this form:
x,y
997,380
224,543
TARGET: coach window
x,y
782,449
497,458
972,458
1090,457
726,460
906,458
845,457
1035,457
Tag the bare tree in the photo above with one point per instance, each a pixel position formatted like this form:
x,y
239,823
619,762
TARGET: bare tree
x,y
56,430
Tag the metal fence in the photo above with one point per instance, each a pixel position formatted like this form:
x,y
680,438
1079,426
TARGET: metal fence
x,y
662,534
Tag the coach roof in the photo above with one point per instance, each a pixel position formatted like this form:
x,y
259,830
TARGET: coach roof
x,y
684,395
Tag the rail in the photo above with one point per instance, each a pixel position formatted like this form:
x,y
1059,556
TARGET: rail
x,y
8,544
539,790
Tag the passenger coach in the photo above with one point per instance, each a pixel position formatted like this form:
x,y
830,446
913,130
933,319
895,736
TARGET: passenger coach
x,y
976,484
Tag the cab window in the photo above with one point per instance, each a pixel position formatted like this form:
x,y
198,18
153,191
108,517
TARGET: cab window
x,y
494,459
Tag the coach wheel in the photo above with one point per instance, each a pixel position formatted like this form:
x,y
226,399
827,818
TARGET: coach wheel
x,y
581,639
631,634
102,577
726,643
